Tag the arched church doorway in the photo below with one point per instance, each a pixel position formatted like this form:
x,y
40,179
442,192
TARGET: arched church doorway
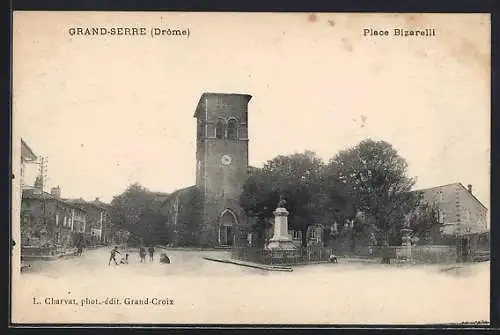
x,y
227,228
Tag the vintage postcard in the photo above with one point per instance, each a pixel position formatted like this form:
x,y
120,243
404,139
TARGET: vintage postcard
x,y
250,168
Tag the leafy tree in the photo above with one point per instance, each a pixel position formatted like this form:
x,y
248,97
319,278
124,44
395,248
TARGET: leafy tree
x,y
136,211
296,177
423,218
376,177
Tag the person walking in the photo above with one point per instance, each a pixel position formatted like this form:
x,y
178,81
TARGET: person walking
x,y
142,254
112,256
151,251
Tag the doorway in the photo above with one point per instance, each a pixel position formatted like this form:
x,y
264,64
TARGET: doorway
x,y
227,228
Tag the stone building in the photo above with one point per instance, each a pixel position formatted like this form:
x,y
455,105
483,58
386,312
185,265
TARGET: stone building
x,y
46,219
208,213
459,210
95,227
462,216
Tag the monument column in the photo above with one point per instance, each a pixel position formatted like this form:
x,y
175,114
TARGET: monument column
x,y
281,240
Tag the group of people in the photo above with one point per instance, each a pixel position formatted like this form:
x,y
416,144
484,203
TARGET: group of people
x,y
124,260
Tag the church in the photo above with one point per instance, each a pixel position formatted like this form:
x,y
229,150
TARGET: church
x,y
208,214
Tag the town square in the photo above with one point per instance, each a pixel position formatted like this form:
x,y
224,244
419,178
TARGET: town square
x,y
250,186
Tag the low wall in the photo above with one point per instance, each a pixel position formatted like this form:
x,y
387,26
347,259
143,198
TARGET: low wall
x,y
426,253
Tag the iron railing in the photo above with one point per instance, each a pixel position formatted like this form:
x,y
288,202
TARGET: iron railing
x,y
316,254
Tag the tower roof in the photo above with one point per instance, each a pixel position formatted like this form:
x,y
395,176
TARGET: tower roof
x,y
212,94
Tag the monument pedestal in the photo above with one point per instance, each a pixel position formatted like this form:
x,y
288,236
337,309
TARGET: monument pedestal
x,y
281,240
406,243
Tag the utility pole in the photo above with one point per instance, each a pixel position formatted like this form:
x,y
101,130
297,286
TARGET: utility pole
x,y
43,172
43,177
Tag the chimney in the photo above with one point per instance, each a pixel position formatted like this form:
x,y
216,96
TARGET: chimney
x,y
469,187
97,199
56,191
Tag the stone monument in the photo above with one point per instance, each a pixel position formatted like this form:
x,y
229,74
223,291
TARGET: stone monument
x,y
281,240
406,242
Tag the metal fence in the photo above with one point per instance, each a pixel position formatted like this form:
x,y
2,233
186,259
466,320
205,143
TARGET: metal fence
x,y
317,254
299,256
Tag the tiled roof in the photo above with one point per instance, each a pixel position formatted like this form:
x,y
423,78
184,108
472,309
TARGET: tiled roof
x,y
452,184
180,192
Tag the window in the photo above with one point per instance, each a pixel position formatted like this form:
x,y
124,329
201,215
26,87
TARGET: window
x,y
219,129
427,236
297,235
232,131
245,117
442,216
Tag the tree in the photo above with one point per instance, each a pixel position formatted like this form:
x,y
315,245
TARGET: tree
x,y
136,211
423,218
296,177
376,177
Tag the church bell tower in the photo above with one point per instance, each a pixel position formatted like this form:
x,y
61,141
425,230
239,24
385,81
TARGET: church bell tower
x,y
221,165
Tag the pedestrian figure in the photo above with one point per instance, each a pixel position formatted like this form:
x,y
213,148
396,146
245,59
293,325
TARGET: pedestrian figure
x,y
112,256
333,258
142,254
124,260
80,249
151,251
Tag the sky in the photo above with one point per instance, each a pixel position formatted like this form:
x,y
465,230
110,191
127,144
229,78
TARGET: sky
x,y
110,111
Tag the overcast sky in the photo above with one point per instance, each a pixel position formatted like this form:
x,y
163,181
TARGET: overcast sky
x,y
110,111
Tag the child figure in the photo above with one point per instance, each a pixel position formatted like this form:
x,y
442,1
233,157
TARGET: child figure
x,y
333,258
124,260
112,256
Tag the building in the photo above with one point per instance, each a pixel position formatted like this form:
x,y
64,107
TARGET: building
x,y
208,213
462,216
48,220
95,226
460,211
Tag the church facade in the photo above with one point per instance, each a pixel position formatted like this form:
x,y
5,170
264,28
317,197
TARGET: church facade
x,y
208,214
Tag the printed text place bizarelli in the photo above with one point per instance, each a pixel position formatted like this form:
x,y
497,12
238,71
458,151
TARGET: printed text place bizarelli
x,y
398,32
130,31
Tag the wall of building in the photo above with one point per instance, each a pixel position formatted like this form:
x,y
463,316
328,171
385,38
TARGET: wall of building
x,y
458,208
183,218
46,219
